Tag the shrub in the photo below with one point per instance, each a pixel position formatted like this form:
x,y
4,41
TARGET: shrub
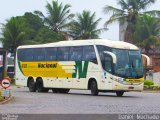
x,y
156,87
151,86
1,98
148,83
145,86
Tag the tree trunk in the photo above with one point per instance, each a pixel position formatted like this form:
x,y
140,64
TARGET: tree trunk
x,y
128,37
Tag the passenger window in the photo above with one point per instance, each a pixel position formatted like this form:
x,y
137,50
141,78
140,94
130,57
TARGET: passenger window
x,y
39,54
50,54
25,54
76,53
20,54
63,53
89,54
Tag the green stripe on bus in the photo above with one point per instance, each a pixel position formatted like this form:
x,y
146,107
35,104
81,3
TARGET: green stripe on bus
x,y
19,65
81,72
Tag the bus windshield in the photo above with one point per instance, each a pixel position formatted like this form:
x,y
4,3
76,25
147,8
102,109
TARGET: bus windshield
x,y
129,63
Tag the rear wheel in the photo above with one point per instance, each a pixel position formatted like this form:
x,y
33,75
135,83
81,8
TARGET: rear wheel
x,y
119,93
94,88
31,85
54,90
39,86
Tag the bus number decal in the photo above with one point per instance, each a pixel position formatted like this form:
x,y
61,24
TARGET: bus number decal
x,y
24,65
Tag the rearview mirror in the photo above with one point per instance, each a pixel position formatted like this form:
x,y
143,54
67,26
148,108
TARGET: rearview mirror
x,y
145,60
114,58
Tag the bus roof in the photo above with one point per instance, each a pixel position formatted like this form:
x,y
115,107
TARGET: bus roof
x,y
105,42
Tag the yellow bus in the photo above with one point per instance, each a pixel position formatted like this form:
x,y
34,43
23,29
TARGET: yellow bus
x,y
96,65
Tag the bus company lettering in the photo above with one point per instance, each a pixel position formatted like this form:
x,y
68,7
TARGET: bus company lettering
x,y
46,65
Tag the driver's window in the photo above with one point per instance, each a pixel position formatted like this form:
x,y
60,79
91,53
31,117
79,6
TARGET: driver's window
x,y
108,63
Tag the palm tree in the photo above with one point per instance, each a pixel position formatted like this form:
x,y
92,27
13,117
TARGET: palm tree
x,y
58,16
12,34
85,26
147,32
129,12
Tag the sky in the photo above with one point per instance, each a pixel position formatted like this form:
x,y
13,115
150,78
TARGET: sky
x,y
9,8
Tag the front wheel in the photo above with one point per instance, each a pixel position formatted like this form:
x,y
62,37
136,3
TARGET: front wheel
x,y
65,90
119,93
94,88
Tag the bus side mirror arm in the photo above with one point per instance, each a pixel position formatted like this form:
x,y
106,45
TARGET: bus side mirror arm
x,y
114,58
145,60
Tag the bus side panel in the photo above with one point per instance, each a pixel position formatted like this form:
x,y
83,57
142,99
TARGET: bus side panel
x,y
106,81
20,79
79,75
93,73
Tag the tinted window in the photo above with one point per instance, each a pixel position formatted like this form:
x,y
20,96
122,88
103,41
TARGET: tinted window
x,y
39,54
63,54
50,54
89,54
76,53
107,63
25,54
101,50
20,54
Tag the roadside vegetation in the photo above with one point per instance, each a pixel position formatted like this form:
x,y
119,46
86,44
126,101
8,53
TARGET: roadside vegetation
x,y
143,28
1,98
149,85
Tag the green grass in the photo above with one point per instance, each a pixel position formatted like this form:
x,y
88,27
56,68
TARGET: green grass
x,y
1,98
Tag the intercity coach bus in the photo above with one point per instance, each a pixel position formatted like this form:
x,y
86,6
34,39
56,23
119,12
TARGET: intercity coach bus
x,y
96,65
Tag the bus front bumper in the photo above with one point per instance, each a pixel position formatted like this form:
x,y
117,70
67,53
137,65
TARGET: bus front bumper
x,y
128,87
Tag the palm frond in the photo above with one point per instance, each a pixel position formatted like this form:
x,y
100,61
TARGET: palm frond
x,y
109,9
85,26
154,13
39,13
143,4
116,18
123,4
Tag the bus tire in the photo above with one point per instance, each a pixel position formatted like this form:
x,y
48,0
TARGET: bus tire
x,y
119,93
39,86
94,88
66,90
31,85
54,90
